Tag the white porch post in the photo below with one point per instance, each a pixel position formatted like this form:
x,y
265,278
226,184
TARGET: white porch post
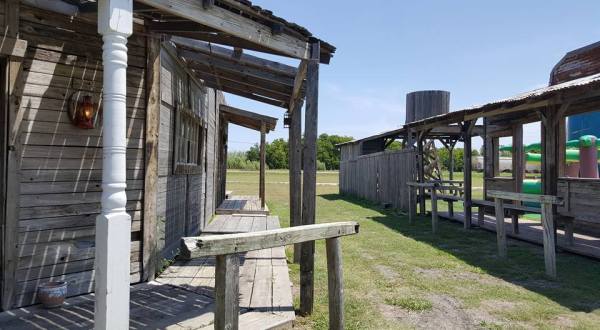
x,y
113,226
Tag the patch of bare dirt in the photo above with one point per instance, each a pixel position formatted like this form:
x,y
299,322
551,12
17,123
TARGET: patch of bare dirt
x,y
386,272
446,313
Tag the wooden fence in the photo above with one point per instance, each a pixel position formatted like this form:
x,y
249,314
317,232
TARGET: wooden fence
x,y
379,177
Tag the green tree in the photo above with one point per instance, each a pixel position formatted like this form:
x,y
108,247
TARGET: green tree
x,y
327,151
277,154
253,154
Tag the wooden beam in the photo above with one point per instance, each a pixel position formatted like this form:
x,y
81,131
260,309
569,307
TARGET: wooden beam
x,y
150,253
202,246
295,165
235,25
269,122
502,110
500,227
12,46
309,186
228,54
544,199
263,157
298,81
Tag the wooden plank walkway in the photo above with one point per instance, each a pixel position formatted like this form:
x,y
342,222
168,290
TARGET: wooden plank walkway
x,y
242,205
531,231
182,297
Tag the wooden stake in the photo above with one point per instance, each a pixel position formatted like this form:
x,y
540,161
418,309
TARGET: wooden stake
x,y
500,228
227,283
335,283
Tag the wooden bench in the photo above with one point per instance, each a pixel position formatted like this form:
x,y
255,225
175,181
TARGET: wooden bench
x,y
547,223
513,209
227,247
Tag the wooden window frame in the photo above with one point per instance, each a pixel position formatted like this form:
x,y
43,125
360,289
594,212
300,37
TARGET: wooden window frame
x,y
185,115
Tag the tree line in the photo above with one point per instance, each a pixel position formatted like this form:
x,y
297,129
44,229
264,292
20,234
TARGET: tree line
x,y
276,154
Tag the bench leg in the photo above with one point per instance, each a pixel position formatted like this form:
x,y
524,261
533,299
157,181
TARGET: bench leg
x,y
451,209
515,223
570,240
480,216
549,242
500,230
434,212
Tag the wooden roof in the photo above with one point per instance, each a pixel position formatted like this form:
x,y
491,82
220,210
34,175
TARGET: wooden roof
x,y
248,119
440,132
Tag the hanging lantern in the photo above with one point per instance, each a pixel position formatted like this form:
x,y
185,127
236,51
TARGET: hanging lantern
x,y
83,111
287,120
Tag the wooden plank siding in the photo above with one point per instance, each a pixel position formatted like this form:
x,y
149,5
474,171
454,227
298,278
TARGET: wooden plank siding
x,y
60,165
379,177
185,202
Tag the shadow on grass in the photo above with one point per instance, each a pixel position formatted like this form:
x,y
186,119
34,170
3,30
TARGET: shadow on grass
x,y
578,283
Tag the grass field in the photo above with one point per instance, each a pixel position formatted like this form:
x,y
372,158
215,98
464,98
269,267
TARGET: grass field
x,y
401,276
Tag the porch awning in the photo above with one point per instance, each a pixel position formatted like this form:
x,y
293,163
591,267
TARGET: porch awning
x,y
247,119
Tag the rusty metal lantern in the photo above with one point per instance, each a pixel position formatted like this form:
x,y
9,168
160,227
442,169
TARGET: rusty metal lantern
x,y
83,111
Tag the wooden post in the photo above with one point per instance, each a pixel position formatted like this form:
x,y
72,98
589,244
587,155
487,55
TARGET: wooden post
x,y
518,166
335,283
569,232
550,156
261,188
412,204
500,229
480,216
295,162
150,257
549,239
421,173
434,212
309,186
227,281
467,129
16,81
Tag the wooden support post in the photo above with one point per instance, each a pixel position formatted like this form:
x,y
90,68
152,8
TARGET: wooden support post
x,y
335,283
518,166
412,205
500,228
569,232
309,185
421,173
227,281
150,253
467,129
514,221
434,212
261,190
550,155
480,216
12,119
549,239
295,161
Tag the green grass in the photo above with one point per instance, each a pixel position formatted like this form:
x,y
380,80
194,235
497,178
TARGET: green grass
x,y
392,269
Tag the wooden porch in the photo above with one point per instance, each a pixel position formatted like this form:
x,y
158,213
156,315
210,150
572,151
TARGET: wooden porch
x,y
242,205
182,297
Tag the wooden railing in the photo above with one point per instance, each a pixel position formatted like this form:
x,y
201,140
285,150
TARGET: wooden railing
x,y
546,202
433,187
227,247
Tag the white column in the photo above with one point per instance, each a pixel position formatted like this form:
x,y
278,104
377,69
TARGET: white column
x,y
113,226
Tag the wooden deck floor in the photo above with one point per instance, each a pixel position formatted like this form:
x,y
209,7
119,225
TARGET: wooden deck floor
x,y
182,297
242,205
531,231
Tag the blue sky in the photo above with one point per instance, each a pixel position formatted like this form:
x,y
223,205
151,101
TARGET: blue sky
x,y
477,50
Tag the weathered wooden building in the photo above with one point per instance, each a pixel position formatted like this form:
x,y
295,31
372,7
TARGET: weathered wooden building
x,y
176,131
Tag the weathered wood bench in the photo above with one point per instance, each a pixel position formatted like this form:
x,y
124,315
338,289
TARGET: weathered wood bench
x,y
514,211
455,193
547,223
227,247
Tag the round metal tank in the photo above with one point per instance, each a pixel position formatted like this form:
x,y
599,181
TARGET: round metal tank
x,y
584,124
425,104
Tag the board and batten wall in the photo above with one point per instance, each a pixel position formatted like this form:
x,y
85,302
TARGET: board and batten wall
x,y
379,177
185,202
61,165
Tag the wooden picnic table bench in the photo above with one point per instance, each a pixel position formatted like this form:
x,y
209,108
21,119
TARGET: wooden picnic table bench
x,y
547,223
514,211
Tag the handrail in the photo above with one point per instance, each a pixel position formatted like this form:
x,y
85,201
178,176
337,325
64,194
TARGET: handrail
x,y
226,248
